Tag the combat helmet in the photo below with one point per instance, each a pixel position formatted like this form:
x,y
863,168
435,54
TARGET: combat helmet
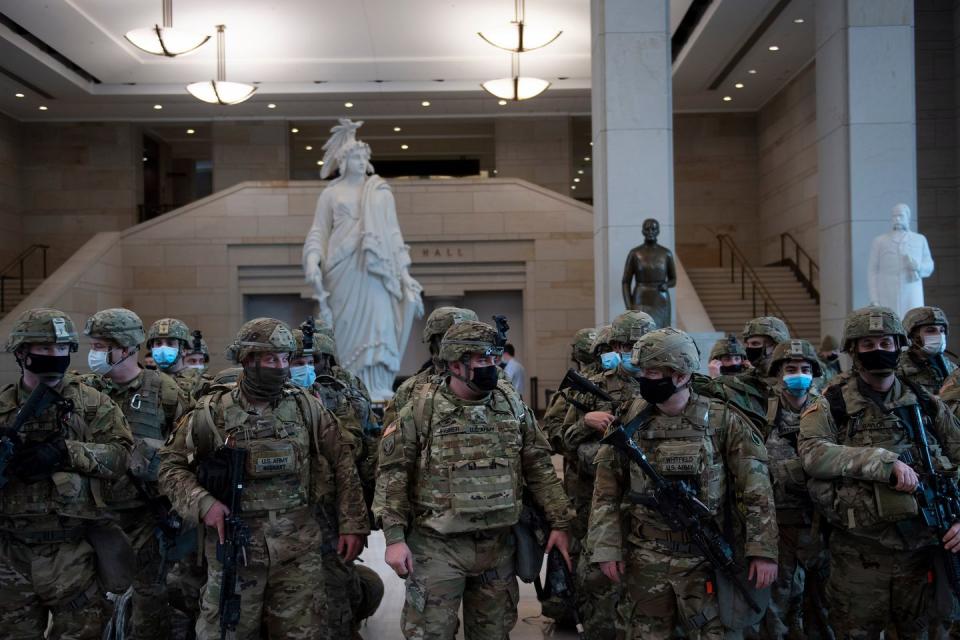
x,y
872,321
630,326
169,328
581,345
43,326
470,336
794,349
601,343
442,318
120,325
770,326
728,346
261,335
923,316
196,345
669,348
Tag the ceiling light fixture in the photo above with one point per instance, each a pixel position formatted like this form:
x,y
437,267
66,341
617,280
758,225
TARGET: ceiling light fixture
x,y
516,87
348,105
309,147
773,47
425,103
502,103
739,85
586,158
42,107
18,95
220,91
294,130
798,20
576,179
752,72
518,36
165,40
319,163
271,106
157,107
190,132
727,98
580,171
404,147
397,129
574,187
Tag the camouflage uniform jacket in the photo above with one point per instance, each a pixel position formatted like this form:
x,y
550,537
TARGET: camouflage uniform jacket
x,y
928,371
191,381
318,466
719,441
405,392
462,440
98,444
794,507
618,384
152,403
554,419
850,465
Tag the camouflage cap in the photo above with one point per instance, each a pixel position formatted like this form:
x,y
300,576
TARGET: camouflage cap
x,y
582,341
728,346
828,344
261,335
601,343
168,328
668,348
770,326
872,321
923,316
442,318
630,326
794,349
120,325
469,337
43,326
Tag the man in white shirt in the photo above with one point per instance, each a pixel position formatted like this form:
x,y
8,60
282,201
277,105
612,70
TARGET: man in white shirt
x,y
512,368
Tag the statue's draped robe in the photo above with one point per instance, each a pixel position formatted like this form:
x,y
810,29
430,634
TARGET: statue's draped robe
x,y
364,262
891,282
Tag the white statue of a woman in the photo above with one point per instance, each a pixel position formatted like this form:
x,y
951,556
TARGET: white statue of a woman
x,y
355,258
899,260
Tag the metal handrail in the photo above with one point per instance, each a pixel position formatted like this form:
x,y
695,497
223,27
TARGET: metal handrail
x,y
18,263
806,279
756,285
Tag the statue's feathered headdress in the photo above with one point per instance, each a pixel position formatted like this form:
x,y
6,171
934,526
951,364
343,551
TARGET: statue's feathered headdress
x,y
342,141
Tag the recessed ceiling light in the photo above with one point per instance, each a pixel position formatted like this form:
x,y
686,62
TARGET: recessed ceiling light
x,y
425,103
580,171
404,147
502,102
190,132
18,95
397,129
158,107
773,47
576,179
586,158
798,20
271,106
727,98
42,107
294,130
144,158
752,72
348,105
319,163
309,147
591,143
739,85
574,187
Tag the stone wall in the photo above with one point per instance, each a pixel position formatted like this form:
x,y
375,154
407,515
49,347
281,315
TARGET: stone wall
x,y
787,145
537,150
11,224
249,151
715,185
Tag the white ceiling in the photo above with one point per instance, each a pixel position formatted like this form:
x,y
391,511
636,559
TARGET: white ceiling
x,y
310,56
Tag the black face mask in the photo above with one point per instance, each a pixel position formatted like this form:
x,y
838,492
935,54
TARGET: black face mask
x,y
756,354
46,366
731,370
657,391
483,379
833,357
263,384
879,361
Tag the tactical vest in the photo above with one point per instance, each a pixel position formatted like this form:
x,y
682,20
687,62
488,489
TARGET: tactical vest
x,y
277,476
685,447
36,506
786,472
469,473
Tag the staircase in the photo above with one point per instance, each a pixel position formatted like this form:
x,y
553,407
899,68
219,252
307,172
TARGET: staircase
x,y
11,292
15,285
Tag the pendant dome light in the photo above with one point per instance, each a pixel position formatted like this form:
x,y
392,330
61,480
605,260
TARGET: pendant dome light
x,y
220,91
518,36
516,87
165,40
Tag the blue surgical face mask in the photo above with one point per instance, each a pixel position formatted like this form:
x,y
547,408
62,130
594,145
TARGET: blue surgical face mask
x,y
797,384
98,363
628,366
164,356
610,360
303,376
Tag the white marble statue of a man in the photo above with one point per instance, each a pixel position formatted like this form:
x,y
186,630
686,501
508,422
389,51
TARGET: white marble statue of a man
x,y
355,258
899,260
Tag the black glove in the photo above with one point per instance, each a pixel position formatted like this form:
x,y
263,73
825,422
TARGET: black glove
x,y
35,461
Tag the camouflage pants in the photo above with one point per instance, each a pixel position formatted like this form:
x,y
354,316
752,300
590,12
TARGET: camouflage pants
x,y
150,619
664,590
37,580
281,586
597,599
871,587
477,570
185,582
353,593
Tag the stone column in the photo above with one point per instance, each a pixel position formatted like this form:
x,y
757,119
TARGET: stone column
x,y
632,137
866,128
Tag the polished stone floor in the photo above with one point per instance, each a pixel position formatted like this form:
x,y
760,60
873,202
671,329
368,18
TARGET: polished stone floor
x,y
385,624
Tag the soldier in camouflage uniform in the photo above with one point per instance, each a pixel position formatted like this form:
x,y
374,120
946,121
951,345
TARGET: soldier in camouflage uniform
x,y
360,396
667,583
453,466
586,364
855,444
439,320
760,336
296,456
797,605
62,459
197,358
829,354
727,359
152,403
353,592
924,362
171,344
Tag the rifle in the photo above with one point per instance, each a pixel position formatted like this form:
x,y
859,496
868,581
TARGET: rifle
x,y
678,505
560,584
576,381
37,402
